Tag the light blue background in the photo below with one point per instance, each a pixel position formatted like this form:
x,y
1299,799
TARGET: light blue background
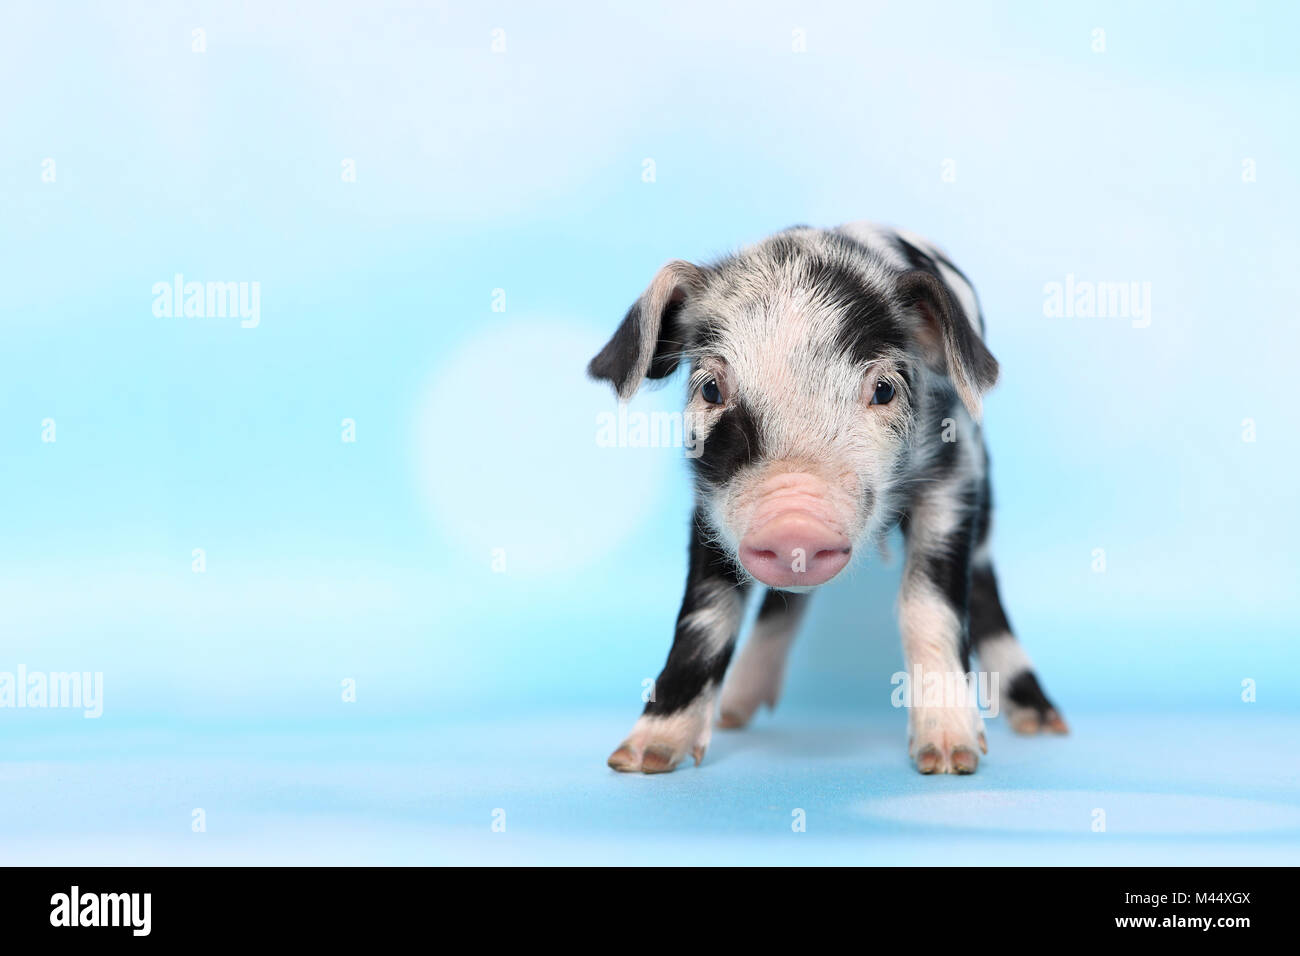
x,y
522,171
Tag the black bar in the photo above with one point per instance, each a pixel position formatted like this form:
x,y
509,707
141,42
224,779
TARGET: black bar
x,y
331,905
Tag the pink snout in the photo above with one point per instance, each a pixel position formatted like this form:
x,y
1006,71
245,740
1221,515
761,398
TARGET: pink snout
x,y
794,549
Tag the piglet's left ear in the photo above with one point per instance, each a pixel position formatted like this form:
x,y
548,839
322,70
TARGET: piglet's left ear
x,y
947,339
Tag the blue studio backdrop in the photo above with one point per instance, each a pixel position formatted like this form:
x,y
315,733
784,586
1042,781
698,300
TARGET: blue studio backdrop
x,y
336,540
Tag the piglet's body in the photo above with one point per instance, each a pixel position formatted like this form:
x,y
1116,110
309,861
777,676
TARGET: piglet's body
x,y
835,393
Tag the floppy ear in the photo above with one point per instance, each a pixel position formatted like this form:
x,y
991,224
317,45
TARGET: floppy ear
x,y
948,342
649,343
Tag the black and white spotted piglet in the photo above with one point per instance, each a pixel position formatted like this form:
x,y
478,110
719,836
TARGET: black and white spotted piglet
x,y
835,385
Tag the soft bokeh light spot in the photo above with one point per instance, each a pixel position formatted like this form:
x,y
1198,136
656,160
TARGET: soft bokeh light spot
x,y
1071,811
509,457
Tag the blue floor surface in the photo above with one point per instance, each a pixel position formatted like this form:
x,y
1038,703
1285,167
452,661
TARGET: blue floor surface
x,y
1173,790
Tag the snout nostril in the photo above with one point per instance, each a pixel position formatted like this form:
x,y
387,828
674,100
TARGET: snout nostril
x,y
794,549
832,553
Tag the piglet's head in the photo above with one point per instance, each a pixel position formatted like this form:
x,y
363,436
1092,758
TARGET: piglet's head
x,y
809,367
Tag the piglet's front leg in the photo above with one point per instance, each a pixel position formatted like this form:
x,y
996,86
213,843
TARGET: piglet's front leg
x,y
945,730
678,719
945,733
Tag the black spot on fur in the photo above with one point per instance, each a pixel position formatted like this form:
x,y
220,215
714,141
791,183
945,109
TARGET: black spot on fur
x,y
987,617
950,572
870,325
985,516
948,567
734,442
832,267
914,256
777,603
784,248
1026,692
689,670
944,457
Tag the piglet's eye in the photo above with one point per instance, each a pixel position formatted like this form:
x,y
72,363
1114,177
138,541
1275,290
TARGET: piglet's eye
x,y
711,392
884,393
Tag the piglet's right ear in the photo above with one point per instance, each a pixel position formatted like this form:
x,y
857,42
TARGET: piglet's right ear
x,y
650,341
